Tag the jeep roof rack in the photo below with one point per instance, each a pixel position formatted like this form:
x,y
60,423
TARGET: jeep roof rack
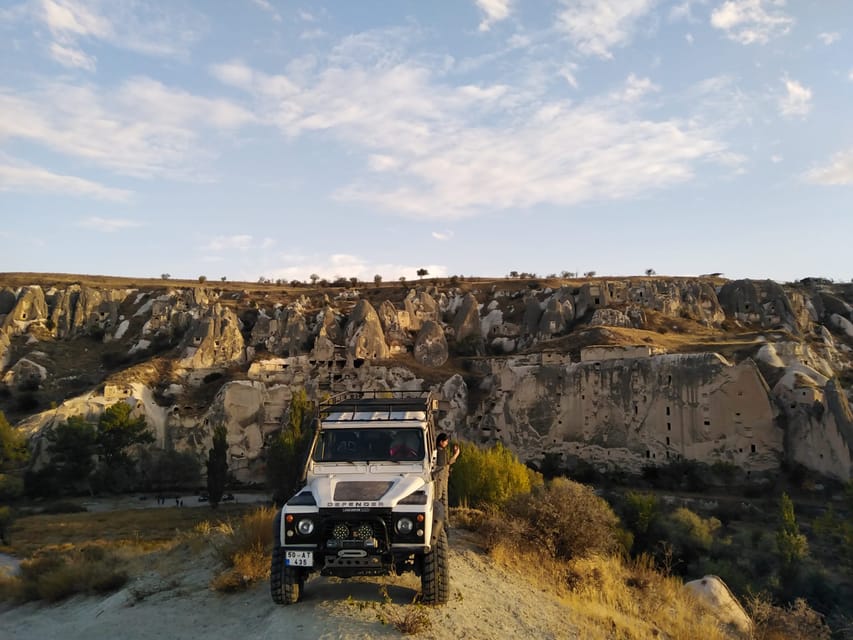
x,y
383,405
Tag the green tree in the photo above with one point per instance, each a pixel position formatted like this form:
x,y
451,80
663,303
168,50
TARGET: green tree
x,y
72,446
288,449
13,456
792,546
117,432
217,466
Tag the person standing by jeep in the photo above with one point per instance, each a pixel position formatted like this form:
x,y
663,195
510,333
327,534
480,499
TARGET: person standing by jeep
x,y
443,460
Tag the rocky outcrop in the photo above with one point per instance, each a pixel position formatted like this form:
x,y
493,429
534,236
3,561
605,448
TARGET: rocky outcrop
x,y
466,325
216,341
764,303
420,307
29,308
609,318
609,409
395,329
712,592
431,345
628,413
363,333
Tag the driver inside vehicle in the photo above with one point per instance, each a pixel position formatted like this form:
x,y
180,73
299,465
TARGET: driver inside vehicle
x,y
406,446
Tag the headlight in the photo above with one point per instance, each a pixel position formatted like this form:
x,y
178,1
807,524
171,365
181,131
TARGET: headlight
x,y
405,526
305,527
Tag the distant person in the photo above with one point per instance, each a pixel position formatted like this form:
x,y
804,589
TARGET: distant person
x,y
443,461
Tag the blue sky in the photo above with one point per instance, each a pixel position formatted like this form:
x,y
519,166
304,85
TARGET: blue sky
x,y
269,138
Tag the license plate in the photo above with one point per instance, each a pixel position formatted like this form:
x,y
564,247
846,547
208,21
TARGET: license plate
x,y
299,558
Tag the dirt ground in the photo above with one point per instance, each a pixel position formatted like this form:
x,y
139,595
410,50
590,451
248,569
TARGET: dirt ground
x,y
173,601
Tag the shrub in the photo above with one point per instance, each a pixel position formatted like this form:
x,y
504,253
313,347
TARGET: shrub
x,y
245,551
484,477
795,622
563,518
54,573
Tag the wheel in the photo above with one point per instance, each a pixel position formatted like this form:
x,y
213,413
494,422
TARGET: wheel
x,y
286,583
435,577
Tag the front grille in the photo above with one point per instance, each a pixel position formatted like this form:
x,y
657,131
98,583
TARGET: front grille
x,y
359,530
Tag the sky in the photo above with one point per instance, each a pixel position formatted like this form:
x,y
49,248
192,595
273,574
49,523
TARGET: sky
x,y
249,139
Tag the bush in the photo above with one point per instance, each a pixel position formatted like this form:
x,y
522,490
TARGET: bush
x,y
795,622
245,551
563,518
53,574
489,477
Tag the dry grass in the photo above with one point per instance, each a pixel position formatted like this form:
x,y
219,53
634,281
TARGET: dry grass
x,y
244,549
408,620
613,598
68,553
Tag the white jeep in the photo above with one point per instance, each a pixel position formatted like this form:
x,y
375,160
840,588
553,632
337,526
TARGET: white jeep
x,y
368,506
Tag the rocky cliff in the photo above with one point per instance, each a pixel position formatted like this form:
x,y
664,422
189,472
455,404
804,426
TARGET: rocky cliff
x,y
621,373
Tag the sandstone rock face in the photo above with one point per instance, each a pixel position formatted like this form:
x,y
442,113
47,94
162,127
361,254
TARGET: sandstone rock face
x,y
216,340
635,412
420,307
431,345
609,318
363,333
466,323
8,298
760,302
622,406
396,335
555,319
715,595
24,372
30,307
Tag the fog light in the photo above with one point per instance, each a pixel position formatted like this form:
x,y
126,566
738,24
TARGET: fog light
x,y
305,527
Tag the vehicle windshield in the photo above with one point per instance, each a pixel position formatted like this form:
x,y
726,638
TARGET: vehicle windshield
x,y
352,445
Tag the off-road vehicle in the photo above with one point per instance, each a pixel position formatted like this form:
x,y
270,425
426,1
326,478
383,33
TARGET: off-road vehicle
x,y
368,506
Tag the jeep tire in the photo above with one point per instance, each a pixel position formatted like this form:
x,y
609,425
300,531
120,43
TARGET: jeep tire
x,y
435,577
286,583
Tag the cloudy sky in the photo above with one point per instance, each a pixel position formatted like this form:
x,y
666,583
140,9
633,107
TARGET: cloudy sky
x,y
272,138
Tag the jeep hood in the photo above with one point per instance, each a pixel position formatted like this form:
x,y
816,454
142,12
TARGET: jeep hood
x,y
373,491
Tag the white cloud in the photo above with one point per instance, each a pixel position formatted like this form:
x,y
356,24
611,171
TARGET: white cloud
x,y
133,25
495,10
72,57
776,158
266,6
636,88
463,150
379,162
66,19
797,101
829,38
344,265
142,128
568,71
838,171
442,235
108,225
596,27
31,179
312,34
752,21
689,38
240,242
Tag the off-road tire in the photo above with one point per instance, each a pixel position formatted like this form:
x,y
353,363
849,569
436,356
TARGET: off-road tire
x,y
435,577
286,583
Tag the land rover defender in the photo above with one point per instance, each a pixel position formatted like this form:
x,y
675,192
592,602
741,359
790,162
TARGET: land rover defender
x,y
368,506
